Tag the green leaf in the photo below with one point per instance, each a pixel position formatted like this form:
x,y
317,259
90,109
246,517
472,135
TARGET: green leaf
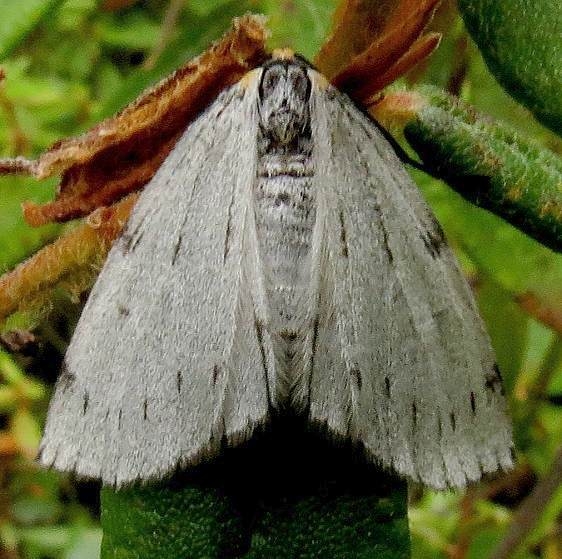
x,y
289,494
18,239
520,41
18,19
134,32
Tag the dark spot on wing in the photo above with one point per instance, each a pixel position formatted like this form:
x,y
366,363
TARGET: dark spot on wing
x,y
136,241
129,242
315,328
387,386
125,243
453,419
130,239
512,453
343,238
433,242
437,229
85,403
356,374
473,402
434,237
385,244
66,378
178,381
177,249
439,427
493,380
122,310
414,413
119,419
55,457
222,434
228,231
145,410
216,372
259,335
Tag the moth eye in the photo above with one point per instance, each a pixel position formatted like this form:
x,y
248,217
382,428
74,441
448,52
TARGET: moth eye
x,y
300,83
270,80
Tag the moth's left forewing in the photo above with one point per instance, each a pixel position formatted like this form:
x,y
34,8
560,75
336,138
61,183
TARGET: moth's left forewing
x,y
169,359
397,357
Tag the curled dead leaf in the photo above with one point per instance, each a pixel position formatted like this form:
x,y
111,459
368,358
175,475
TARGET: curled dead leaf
x,y
362,76
369,37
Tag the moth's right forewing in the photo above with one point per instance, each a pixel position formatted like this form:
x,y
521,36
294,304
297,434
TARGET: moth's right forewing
x,y
169,357
399,359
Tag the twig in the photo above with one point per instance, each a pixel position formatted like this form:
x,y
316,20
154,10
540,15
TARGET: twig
x,y
537,390
19,141
530,303
168,25
466,524
530,510
515,481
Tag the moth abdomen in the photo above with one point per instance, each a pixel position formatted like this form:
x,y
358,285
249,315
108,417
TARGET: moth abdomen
x,y
285,207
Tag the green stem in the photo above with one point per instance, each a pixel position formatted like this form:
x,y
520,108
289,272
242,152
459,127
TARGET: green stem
x,y
489,164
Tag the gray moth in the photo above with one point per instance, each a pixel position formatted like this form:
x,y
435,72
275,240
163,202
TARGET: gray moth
x,y
280,260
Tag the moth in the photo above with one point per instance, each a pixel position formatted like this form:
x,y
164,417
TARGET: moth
x,y
280,261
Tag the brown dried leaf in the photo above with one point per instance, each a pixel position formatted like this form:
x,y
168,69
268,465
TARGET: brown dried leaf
x,y
403,28
420,50
90,187
355,25
550,317
122,153
385,29
83,247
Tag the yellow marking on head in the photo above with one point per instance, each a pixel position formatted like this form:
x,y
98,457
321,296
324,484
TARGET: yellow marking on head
x,y
283,54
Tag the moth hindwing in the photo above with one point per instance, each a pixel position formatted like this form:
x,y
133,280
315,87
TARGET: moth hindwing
x,y
280,259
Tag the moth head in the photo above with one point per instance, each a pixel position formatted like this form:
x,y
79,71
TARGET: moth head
x,y
284,94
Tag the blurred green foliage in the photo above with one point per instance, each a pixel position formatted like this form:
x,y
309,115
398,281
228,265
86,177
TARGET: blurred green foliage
x,y
524,54
69,64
